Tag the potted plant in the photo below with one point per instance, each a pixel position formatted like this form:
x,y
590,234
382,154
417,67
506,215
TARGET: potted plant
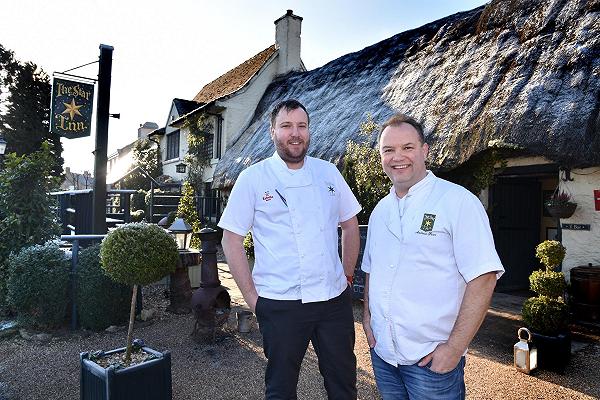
x,y
133,254
560,205
547,314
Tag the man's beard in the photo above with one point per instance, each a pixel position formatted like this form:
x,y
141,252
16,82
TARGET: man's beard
x,y
286,155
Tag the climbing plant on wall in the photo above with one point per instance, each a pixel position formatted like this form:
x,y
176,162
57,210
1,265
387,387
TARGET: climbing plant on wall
x,y
199,127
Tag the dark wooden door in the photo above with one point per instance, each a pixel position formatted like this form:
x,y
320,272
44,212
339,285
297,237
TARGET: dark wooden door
x,y
515,218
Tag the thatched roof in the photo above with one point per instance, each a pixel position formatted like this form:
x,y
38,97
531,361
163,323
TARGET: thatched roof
x,y
513,73
236,78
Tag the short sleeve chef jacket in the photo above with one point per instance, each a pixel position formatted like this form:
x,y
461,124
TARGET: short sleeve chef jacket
x,y
294,215
421,252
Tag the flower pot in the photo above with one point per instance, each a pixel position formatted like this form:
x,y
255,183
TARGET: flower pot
x,y
561,210
553,352
150,380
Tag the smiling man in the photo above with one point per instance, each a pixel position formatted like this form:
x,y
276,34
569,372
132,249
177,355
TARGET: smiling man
x,y
431,268
299,287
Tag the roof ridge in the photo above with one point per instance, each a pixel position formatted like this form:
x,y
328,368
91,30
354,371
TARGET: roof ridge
x,y
235,78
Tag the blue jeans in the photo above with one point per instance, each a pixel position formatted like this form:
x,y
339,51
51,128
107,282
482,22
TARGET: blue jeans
x,y
418,383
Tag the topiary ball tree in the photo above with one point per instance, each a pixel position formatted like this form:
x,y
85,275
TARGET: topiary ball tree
x,y
551,253
137,254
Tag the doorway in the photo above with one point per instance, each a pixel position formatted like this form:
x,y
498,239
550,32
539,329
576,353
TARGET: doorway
x,y
518,221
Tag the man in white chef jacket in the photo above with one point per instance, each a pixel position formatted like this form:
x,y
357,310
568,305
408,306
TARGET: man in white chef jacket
x,y
431,268
298,287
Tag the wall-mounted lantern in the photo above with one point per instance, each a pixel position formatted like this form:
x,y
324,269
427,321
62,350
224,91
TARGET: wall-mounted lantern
x,y
180,168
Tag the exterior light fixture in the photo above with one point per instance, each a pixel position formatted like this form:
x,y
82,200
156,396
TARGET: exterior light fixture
x,y
2,146
525,353
180,168
182,231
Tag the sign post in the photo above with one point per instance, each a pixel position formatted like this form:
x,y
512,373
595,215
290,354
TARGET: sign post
x,y
100,152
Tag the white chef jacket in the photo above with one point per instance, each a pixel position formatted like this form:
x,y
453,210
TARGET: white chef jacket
x,y
421,252
294,215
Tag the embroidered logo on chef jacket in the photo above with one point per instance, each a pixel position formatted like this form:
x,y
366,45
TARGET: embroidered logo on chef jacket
x,y
267,196
331,190
427,224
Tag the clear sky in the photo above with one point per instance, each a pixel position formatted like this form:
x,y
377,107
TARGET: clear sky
x,y
167,49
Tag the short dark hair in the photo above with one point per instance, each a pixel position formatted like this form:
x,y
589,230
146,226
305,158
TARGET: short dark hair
x,y
399,119
289,104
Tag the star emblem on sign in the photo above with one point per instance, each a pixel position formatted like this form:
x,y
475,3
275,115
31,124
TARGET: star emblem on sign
x,y
72,109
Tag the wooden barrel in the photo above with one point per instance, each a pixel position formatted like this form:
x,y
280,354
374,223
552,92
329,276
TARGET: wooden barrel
x,y
585,290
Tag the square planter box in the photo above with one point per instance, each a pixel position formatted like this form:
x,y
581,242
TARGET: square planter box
x,y
150,380
553,352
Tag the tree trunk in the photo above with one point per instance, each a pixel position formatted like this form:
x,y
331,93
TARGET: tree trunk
x,y
130,330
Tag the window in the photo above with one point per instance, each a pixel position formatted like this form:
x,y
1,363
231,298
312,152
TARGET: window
x,y
173,145
207,146
219,137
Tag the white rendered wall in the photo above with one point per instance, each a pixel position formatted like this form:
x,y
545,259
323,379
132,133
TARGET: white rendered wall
x,y
240,108
168,166
583,247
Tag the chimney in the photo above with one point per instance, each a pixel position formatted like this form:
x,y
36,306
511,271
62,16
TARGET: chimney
x,y
287,39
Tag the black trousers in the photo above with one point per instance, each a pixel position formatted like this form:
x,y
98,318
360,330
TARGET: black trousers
x,y
287,327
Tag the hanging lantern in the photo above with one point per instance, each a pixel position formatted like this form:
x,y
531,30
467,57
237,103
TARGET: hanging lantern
x,y
182,232
525,353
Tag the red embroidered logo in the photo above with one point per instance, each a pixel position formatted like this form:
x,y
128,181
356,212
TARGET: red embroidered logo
x,y
267,196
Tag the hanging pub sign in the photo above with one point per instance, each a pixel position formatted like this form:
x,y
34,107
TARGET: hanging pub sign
x,y
72,105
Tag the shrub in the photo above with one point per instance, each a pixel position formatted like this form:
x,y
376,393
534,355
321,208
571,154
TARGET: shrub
x,y
101,301
548,283
550,252
187,211
138,253
545,315
26,210
362,169
38,283
138,200
249,246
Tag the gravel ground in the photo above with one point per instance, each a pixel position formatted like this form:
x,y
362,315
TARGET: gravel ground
x,y
233,367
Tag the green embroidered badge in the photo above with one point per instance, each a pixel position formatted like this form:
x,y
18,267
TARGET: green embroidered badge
x,y
428,221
